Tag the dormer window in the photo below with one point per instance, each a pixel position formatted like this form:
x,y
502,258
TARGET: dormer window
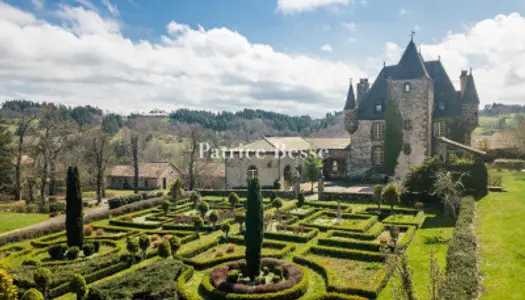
x,y
379,108
407,87
441,105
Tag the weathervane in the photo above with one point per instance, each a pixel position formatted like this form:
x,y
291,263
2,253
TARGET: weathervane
x,y
412,33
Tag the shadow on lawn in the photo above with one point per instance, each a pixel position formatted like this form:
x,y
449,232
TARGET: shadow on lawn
x,y
438,222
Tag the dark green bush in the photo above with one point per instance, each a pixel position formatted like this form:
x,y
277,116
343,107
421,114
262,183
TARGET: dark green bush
x,y
32,294
78,286
233,276
72,253
57,252
96,294
88,249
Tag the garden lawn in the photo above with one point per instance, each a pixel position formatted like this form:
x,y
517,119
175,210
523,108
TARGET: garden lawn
x,y
10,221
500,230
434,235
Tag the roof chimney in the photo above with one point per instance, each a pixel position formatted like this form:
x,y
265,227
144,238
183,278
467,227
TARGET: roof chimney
x,y
362,89
463,81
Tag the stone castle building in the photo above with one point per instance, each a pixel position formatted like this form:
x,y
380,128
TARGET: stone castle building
x,y
429,106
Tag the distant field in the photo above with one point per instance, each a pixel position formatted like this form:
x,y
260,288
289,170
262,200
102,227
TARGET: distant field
x,y
11,221
489,124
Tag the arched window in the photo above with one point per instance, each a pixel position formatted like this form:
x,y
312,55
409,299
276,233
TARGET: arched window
x,y
407,87
378,156
287,174
252,171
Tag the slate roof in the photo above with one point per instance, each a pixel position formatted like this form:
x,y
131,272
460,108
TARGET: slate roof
x,y
471,94
350,98
412,66
146,170
272,144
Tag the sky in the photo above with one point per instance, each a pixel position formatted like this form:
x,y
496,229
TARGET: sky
x,y
290,56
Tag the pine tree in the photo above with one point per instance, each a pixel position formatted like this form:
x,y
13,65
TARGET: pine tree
x,y
6,158
254,229
74,214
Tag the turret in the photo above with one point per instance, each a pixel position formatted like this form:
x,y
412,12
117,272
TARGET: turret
x,y
350,111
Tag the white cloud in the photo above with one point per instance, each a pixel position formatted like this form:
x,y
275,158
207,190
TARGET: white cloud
x,y
87,4
327,48
112,8
290,6
39,4
494,48
350,26
352,40
403,11
363,2
87,60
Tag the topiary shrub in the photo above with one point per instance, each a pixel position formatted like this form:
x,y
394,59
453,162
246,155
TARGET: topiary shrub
x,y
74,215
56,252
31,294
43,280
214,217
300,199
164,249
88,249
144,243
203,208
97,294
233,198
239,218
78,286
390,196
133,247
198,222
226,229
254,229
195,198
174,245
233,276
72,253
7,289
166,207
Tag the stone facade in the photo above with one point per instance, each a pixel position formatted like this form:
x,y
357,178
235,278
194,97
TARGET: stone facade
x,y
415,107
425,96
269,169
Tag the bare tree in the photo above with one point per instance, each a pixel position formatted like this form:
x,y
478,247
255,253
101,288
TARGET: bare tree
x,y
24,127
135,151
190,161
53,134
97,157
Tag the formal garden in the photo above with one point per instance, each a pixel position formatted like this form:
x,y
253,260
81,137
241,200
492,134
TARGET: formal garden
x,y
261,245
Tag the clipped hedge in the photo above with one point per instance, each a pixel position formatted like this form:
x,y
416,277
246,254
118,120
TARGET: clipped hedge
x,y
347,197
244,193
417,221
326,204
290,237
333,296
187,255
368,221
462,274
509,164
32,233
371,234
124,200
191,227
369,291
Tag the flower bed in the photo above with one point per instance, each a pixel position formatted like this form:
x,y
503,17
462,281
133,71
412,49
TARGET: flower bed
x,y
303,212
355,272
326,220
136,220
215,286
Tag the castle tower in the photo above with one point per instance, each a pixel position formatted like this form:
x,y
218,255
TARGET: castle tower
x,y
412,91
469,106
351,112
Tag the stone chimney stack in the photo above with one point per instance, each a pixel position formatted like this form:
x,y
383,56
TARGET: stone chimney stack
x,y
362,89
463,81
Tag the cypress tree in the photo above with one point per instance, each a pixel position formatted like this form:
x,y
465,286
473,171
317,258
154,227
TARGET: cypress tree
x,y
253,235
74,215
6,158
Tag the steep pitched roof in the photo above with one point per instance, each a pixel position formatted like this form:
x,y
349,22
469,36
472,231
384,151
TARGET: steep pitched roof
x,y
146,170
271,144
411,64
350,98
471,94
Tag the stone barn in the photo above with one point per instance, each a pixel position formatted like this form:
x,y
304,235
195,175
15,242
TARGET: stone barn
x,y
151,176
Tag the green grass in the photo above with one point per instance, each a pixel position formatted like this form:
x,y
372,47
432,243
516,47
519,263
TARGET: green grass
x,y
11,221
501,233
432,236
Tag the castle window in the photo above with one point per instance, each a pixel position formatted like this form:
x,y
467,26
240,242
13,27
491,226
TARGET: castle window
x,y
407,87
408,124
378,156
441,105
378,130
379,108
439,129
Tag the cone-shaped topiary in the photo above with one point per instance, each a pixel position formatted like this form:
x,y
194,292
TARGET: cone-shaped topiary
x,y
74,215
78,286
253,235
